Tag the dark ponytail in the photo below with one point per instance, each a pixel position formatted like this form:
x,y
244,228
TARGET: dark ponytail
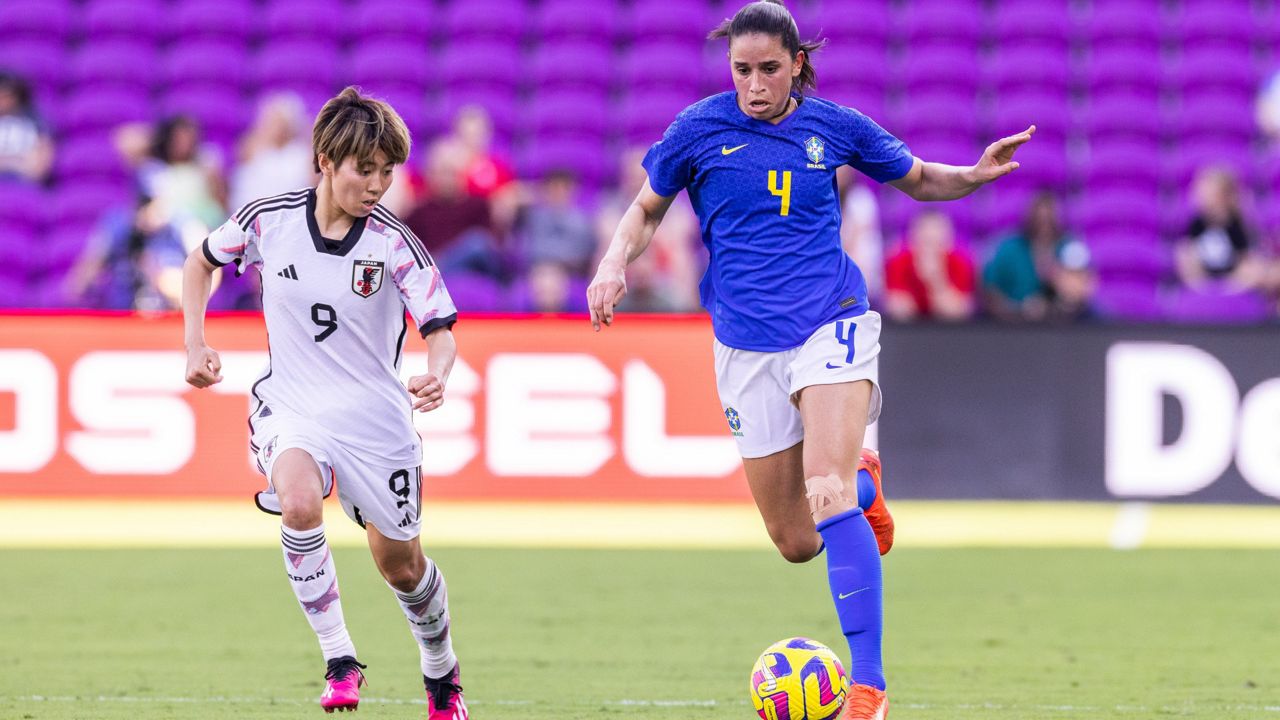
x,y
770,17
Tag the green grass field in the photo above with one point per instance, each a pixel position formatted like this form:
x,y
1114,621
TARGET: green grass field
x,y
991,634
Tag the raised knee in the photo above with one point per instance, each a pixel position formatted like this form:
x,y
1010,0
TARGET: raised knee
x,y
301,513
798,550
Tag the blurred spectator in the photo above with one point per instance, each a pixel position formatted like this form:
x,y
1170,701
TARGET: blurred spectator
x,y
665,277
1268,108
485,173
275,154
185,182
860,230
456,228
26,150
1040,272
558,242
133,261
929,277
1217,246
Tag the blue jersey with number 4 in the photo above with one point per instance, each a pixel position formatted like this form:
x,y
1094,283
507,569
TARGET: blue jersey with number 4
x,y
766,198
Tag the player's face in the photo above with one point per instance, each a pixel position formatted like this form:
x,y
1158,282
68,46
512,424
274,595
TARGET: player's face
x,y
358,185
762,74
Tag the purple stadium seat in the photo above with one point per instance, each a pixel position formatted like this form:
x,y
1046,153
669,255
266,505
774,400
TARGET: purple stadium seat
x,y
411,104
62,247
381,20
1134,257
1036,67
320,21
662,63
583,156
83,203
492,19
939,21
41,62
1215,68
103,111
1050,112
1179,168
277,65
868,23
687,22
931,69
576,64
46,20
1134,71
946,147
225,20
1048,23
114,64
1134,211
1217,22
475,293
222,114
491,65
1214,116
849,65
582,114
1002,207
645,114
1219,304
501,106
207,62
1122,163
1132,23
1119,116
404,64
88,157
1129,301
939,112
17,202
137,20
867,100
586,20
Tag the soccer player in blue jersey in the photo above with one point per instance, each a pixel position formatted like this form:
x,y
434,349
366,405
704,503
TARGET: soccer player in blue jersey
x,y
796,344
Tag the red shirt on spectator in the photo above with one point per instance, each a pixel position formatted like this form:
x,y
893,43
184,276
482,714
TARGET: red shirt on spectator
x,y
902,275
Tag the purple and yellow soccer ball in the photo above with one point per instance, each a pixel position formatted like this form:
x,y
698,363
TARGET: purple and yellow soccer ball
x,y
798,679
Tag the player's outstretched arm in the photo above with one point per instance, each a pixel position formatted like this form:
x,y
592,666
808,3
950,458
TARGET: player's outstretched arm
x,y
634,232
428,389
936,181
204,367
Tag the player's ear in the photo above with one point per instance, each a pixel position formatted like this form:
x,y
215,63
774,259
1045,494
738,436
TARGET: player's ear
x,y
326,165
798,64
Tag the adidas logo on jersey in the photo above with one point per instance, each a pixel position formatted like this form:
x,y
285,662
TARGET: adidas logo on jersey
x,y
288,273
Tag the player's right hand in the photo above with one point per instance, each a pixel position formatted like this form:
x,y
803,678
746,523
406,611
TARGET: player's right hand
x,y
204,367
606,291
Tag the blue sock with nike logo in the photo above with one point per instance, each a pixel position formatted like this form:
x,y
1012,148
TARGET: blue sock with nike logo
x,y
853,571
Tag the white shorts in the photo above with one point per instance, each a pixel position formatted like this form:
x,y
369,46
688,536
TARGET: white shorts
x,y
370,491
758,389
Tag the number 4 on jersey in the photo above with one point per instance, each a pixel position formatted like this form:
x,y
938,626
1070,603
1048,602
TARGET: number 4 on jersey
x,y
783,192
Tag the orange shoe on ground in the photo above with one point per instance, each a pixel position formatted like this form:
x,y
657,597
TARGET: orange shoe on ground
x,y
878,514
866,703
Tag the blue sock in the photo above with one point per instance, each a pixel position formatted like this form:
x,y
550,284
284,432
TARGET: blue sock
x,y
853,570
866,489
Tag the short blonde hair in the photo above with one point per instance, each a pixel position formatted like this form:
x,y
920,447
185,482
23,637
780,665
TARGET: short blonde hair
x,y
357,125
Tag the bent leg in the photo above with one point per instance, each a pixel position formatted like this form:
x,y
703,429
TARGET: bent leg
x,y
423,596
777,486
835,419
307,560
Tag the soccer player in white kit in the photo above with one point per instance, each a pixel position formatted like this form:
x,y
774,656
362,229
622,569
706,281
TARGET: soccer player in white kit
x,y
339,272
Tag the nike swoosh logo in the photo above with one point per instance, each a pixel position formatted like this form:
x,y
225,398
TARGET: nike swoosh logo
x,y
855,592
832,367
730,150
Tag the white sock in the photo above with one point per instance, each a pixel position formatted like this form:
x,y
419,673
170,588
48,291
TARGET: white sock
x,y
427,608
314,579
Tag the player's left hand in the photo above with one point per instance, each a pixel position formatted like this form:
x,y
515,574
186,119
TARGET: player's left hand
x,y
997,159
428,392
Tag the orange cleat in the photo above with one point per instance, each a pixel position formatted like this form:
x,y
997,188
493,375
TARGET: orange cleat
x,y
865,702
878,514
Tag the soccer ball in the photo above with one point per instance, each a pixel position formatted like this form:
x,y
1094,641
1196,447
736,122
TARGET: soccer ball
x,y
798,679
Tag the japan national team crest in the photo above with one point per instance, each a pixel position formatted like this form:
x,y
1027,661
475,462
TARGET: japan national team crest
x,y
815,150
366,277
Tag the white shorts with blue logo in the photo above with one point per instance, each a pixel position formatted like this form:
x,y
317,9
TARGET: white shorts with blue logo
x,y
758,390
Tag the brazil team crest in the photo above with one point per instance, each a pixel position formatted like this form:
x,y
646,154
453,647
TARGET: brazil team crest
x,y
366,277
815,150
735,421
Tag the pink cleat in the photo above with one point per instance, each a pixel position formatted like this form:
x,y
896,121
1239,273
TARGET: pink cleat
x,y
342,691
444,697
